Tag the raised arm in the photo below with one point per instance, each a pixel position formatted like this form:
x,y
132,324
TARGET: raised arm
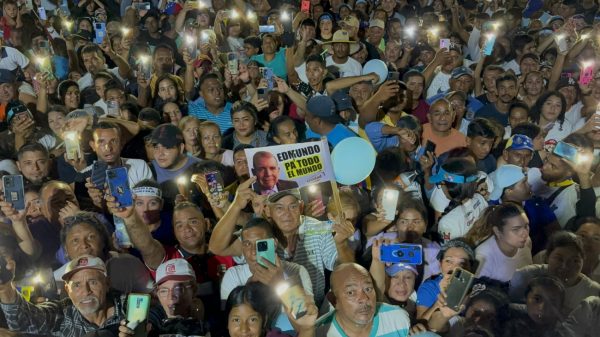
x,y
370,109
346,82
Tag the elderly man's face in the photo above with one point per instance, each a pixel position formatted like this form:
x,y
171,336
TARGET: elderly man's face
x,y
355,296
87,290
267,172
83,239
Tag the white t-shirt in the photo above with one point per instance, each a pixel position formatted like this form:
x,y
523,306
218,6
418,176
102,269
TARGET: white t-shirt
x,y
439,201
87,80
239,275
301,71
558,132
494,264
573,115
227,158
350,68
14,59
439,83
458,221
564,205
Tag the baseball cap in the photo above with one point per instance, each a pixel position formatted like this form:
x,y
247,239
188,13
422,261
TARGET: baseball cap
x,y
83,34
150,115
175,269
398,267
167,135
460,71
377,23
505,176
7,76
350,21
443,175
325,17
358,2
342,101
81,263
323,107
532,7
294,192
14,108
566,81
519,142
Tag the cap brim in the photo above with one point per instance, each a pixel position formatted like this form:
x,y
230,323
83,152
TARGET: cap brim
x,y
436,179
67,276
174,278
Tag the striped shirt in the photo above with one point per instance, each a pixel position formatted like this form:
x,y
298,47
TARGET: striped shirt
x,y
389,321
198,109
315,253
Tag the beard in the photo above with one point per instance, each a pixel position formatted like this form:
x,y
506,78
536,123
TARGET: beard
x,y
89,308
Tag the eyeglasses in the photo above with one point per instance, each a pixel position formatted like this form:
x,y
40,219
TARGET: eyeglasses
x,y
177,290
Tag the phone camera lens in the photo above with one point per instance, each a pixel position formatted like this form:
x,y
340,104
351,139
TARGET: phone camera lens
x,y
262,246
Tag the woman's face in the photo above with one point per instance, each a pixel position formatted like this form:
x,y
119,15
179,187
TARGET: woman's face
x,y
411,224
244,321
402,285
234,30
454,257
534,84
99,84
86,25
481,313
190,132
515,231
173,112
167,90
210,138
243,123
72,98
56,121
543,305
565,263
326,27
551,108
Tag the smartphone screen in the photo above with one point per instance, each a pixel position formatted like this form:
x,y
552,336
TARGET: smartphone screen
x,y
232,63
566,151
73,150
305,6
444,43
121,233
266,250
587,75
138,306
458,288
488,47
389,202
266,29
215,183
99,174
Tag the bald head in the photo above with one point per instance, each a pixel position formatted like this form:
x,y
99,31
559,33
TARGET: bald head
x,y
355,297
346,271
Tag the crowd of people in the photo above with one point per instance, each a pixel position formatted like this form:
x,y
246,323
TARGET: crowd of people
x,y
484,117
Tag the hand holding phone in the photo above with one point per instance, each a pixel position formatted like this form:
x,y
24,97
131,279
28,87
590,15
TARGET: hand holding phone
x,y
265,250
138,306
458,288
233,63
402,253
14,191
118,185
389,203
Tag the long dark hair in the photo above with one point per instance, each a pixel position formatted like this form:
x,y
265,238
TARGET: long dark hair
x,y
260,297
493,216
536,111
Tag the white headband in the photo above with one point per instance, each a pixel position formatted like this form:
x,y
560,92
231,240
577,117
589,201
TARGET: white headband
x,y
147,191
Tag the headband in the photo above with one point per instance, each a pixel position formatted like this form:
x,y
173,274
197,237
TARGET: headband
x,y
147,191
444,175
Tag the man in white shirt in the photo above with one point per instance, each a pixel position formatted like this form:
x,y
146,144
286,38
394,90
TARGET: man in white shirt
x,y
94,61
343,47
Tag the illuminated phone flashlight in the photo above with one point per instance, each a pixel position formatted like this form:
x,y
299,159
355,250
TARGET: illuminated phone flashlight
x,y
204,37
68,24
71,135
38,279
189,40
585,36
125,31
251,15
181,180
434,31
234,14
40,60
312,189
496,25
559,37
281,288
285,16
144,59
410,31
587,64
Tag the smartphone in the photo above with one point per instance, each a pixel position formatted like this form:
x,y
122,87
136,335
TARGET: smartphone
x,y
215,183
458,288
267,73
488,46
73,150
98,177
587,75
45,284
393,76
113,108
293,299
191,46
402,253
566,151
100,28
444,43
266,250
121,233
266,29
430,147
389,202
5,274
138,306
204,37
142,6
14,191
118,184
305,6
262,93
232,63
42,13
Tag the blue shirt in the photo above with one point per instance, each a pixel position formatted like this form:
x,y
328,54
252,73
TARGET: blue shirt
x,y
379,140
336,135
428,292
490,111
277,63
163,175
198,109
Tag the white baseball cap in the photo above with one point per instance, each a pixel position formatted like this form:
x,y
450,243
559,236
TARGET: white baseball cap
x,y
175,269
83,262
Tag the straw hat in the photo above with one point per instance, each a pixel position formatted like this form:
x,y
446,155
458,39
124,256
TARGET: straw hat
x,y
342,36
